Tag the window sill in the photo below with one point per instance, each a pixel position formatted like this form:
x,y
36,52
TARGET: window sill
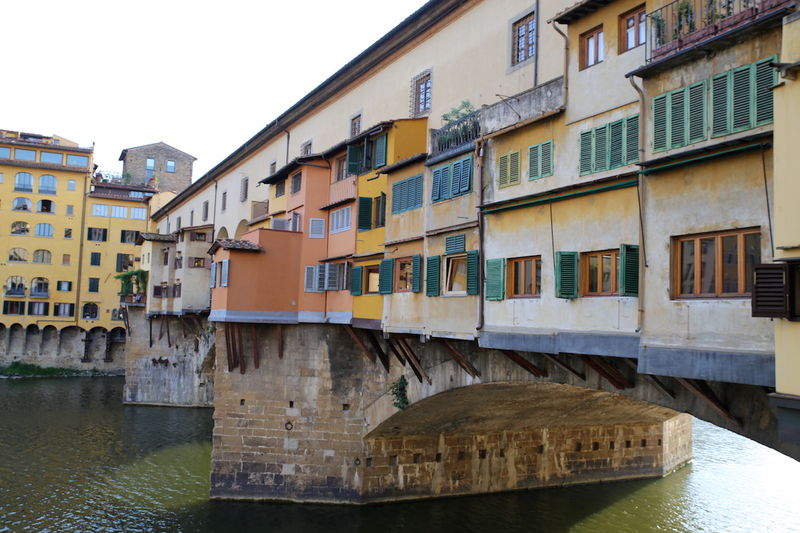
x,y
456,295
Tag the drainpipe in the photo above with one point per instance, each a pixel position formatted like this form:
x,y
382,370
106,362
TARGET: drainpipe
x,y
640,194
566,61
481,305
288,138
80,237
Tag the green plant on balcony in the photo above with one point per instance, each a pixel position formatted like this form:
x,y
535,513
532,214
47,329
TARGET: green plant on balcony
x,y
659,28
685,19
457,113
132,282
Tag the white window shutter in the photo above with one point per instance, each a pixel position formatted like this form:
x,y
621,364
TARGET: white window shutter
x,y
225,270
310,279
279,223
212,282
332,276
320,273
316,228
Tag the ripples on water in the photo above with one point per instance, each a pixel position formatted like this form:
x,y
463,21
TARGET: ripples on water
x,y
72,458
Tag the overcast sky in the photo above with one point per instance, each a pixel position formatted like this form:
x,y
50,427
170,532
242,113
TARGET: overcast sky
x,y
202,76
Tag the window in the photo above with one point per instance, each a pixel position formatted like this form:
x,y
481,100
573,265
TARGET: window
x,y
165,257
67,233
340,168
90,311
170,166
64,286
22,204
273,167
295,223
403,273
138,213
47,184
679,117
197,262
540,160
508,169
5,153
205,211
609,146
149,167
178,224
370,154
63,310
297,181
66,259
452,180
372,278
95,259
599,273
379,219
19,255
421,94
46,206
42,256
524,277
716,265
280,188
97,234
341,219
407,194
456,275
118,211
198,236
178,261
20,154
592,49
191,218
40,288
136,194
355,125
99,210
305,148
23,182
124,262
13,308
20,228
128,236
776,290
70,210
94,284
44,230
38,308
524,39
70,185
224,202
742,98
176,290
15,286
51,157
157,291
632,29
243,187
316,228
77,160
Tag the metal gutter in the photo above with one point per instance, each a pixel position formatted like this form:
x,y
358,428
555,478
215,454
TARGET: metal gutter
x,y
562,197
715,155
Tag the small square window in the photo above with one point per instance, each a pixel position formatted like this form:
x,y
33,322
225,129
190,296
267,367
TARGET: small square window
x,y
66,259
95,259
456,281
305,148
94,284
403,271
592,49
280,188
224,202
273,167
355,125
67,233
599,273
524,277
170,166
297,181
632,29
421,95
71,185
372,278
523,46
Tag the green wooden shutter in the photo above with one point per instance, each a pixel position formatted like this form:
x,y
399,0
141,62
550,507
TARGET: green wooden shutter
x,y
566,274
356,281
660,123
71,309
465,183
629,270
444,186
696,112
502,171
720,98
396,197
765,80
455,181
473,272
677,118
436,186
386,279
433,272
616,144
380,151
416,273
632,139
495,279
120,259
455,244
546,159
586,152
5,307
741,108
513,168
354,154
364,213
600,148
534,161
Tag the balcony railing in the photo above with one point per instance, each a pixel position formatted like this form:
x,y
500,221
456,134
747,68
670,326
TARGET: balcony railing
x,y
15,293
456,133
683,23
133,299
40,293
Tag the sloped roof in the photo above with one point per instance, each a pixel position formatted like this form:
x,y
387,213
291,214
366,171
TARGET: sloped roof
x,y
234,244
159,143
157,237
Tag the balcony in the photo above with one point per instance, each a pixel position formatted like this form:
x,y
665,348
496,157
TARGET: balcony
x,y
681,25
15,292
133,300
258,211
341,191
40,293
456,134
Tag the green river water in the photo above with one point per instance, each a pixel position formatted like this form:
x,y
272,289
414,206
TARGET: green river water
x,y
74,459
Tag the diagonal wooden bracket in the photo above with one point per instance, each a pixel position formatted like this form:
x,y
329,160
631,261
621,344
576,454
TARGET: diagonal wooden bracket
x,y
524,363
608,371
701,390
253,338
564,366
459,358
383,356
280,341
364,350
414,361
633,364
396,351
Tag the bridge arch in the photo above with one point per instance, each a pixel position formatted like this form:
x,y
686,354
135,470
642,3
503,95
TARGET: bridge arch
x,y
241,229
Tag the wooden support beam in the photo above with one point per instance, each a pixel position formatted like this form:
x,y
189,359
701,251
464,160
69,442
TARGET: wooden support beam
x,y
633,364
183,326
383,356
169,337
395,351
600,369
524,363
414,361
161,328
364,350
702,391
149,321
240,349
406,357
564,366
614,371
280,341
253,338
459,358
228,351
198,324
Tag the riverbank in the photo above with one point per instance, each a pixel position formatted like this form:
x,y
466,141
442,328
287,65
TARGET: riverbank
x,y
17,370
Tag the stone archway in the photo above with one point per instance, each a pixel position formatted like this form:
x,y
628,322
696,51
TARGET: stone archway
x,y
33,341
16,341
49,349
222,233
241,229
95,345
70,345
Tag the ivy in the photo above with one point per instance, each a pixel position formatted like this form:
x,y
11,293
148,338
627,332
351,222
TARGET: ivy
x,y
399,393
129,277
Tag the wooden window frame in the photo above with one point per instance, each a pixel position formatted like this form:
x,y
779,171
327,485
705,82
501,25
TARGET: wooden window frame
x,y
355,125
523,22
449,264
398,263
636,15
280,189
511,264
421,94
368,269
741,264
296,179
340,173
584,49
584,273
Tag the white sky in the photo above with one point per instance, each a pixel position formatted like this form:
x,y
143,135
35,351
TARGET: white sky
x,y
202,76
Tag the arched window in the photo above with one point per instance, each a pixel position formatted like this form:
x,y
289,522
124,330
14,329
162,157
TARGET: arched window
x,y
22,204
44,230
23,182
41,256
20,228
18,254
15,286
90,311
46,206
40,288
47,184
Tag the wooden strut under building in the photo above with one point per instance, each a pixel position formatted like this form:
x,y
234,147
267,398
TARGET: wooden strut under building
x,y
564,366
253,338
364,350
280,341
701,390
395,351
150,323
169,338
611,374
459,358
524,363
633,364
376,345
414,361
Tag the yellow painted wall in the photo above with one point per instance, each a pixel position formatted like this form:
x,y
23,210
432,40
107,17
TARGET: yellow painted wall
x,y
367,306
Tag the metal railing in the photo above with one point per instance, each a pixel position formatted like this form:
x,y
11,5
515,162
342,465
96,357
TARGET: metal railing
x,y
134,299
40,293
682,23
457,133
15,292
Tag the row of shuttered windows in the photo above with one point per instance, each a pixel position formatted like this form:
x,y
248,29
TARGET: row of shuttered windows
x,y
540,164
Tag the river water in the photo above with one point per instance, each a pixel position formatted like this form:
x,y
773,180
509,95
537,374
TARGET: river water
x,y
73,458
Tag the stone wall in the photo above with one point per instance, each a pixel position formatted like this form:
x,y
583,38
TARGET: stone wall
x,y
135,165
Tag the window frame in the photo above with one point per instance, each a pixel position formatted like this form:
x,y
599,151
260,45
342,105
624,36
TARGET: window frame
x,y
524,22
584,261
449,264
599,51
371,269
421,88
339,217
536,268
296,184
408,262
170,164
635,14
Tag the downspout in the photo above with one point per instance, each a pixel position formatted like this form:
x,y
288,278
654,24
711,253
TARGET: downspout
x,y
640,197
78,312
566,62
288,138
479,147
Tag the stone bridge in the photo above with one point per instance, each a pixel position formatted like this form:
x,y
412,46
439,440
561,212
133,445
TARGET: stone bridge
x,y
305,413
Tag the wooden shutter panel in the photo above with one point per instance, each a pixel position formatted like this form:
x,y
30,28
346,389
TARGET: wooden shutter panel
x,y
316,228
455,244
396,197
380,151
677,118
105,234
225,270
212,281
600,148
386,280
473,272
309,279
741,108
5,307
720,98
502,171
465,184
120,259
566,274
364,213
770,297
416,273
513,168
629,270
765,79
319,275
356,281
332,276
71,309
455,181
586,152
495,275
418,188
660,123
696,113
46,308
433,273
632,139
616,144
444,186
546,159
354,153
436,185
534,161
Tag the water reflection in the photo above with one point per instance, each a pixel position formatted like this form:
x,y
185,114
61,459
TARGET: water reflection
x,y
72,458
